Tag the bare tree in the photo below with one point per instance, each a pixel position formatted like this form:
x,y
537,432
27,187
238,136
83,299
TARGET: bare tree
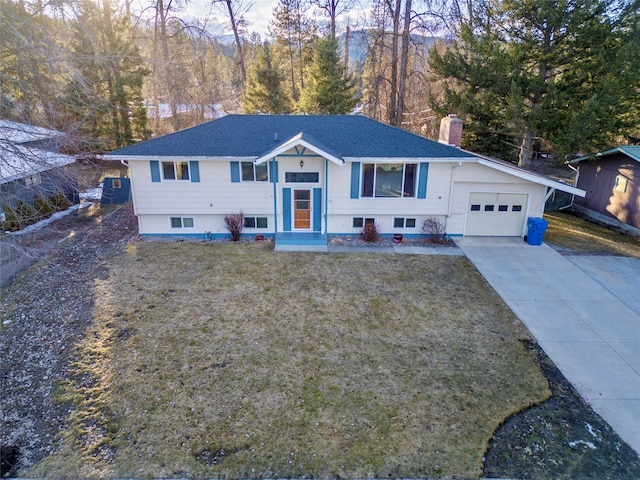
x,y
236,10
333,8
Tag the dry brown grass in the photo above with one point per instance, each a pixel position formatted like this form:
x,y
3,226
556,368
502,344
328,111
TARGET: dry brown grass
x,y
582,236
233,360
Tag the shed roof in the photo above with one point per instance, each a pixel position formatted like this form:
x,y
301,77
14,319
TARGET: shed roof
x,y
18,161
22,133
632,152
255,135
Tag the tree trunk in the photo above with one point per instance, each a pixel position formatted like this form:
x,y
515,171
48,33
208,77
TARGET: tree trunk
x,y
168,71
404,59
234,26
392,113
346,52
526,150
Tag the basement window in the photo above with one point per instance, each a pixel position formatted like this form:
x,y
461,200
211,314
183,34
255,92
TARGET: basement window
x,y
255,222
359,222
181,222
401,222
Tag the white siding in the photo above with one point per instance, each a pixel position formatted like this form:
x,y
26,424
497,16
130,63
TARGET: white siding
x,y
214,194
342,208
479,178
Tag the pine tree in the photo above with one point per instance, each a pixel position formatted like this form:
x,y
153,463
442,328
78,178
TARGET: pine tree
x,y
104,97
265,90
546,69
328,91
294,34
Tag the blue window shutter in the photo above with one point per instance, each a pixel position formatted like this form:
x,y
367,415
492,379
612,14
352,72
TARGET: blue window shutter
x,y
355,179
235,172
286,209
194,171
155,170
423,174
317,209
273,171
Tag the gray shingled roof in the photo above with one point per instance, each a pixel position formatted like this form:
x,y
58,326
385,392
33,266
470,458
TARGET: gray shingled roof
x,y
254,135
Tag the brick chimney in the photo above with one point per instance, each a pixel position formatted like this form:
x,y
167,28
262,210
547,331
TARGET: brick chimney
x,y
451,130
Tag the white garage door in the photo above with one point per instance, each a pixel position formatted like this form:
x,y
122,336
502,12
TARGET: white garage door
x,y
496,214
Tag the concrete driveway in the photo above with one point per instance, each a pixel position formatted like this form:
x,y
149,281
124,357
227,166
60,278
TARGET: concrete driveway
x,y
584,312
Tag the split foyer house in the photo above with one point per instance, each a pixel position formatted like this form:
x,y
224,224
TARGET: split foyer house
x,y
303,178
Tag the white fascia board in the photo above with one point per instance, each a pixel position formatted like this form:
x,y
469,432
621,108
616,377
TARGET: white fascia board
x,y
175,158
295,142
412,159
531,177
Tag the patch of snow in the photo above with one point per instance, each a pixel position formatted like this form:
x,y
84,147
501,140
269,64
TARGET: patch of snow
x,y
591,431
93,194
578,442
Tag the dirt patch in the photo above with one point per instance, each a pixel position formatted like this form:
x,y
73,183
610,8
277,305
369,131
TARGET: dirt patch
x,y
563,438
48,310
44,314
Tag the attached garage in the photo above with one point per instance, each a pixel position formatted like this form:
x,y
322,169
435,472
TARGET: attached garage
x,y
496,214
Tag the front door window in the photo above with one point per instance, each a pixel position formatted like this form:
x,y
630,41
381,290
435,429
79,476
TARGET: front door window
x,y
302,209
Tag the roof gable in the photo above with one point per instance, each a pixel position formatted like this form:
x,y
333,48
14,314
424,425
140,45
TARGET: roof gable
x,y
305,141
256,135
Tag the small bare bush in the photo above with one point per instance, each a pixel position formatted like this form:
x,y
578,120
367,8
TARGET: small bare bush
x,y
234,223
434,227
370,233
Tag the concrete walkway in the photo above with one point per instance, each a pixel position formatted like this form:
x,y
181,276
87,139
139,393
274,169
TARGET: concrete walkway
x,y
584,312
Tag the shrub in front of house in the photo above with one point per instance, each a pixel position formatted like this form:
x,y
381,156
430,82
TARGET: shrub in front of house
x,y
435,229
234,223
370,233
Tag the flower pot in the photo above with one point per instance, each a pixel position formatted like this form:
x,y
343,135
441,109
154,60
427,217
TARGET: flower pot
x,y
397,238
259,238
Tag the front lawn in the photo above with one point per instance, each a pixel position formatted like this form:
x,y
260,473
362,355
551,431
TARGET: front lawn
x,y
579,235
232,360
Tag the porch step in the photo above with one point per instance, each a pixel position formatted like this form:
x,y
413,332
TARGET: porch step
x,y
306,239
299,248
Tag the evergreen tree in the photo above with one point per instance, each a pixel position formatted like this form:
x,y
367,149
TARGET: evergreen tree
x,y
265,90
294,34
548,69
327,91
104,98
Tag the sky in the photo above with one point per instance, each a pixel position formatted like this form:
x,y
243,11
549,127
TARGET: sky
x,y
258,16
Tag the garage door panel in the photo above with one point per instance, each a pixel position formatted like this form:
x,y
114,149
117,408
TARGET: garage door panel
x,y
496,214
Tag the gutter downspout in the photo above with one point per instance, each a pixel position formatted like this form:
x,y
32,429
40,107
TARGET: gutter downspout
x,y
326,197
453,169
275,201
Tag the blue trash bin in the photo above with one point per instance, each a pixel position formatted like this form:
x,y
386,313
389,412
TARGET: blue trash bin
x,y
536,226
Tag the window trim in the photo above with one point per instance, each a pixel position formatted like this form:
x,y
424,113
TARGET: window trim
x,y
364,221
175,171
182,219
405,220
621,183
366,174
254,171
286,177
256,219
